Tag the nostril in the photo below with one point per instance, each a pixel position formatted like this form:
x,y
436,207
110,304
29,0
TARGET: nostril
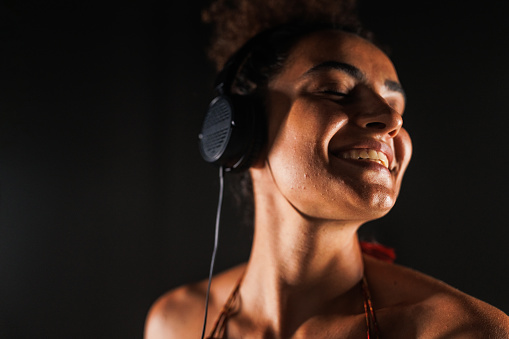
x,y
377,125
392,134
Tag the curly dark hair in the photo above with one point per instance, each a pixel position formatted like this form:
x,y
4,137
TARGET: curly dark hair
x,y
235,22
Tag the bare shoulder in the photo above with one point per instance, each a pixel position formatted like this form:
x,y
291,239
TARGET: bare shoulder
x,y
180,312
412,304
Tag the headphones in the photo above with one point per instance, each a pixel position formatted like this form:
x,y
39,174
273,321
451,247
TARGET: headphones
x,y
233,130
232,133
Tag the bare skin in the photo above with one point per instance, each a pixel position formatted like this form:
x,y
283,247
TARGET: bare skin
x,y
337,95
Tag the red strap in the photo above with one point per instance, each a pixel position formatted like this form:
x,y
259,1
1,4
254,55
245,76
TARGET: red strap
x,y
378,251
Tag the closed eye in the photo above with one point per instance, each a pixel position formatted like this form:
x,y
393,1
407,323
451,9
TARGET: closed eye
x,y
333,93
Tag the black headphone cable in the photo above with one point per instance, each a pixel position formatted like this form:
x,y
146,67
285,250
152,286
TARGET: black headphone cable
x,y
214,251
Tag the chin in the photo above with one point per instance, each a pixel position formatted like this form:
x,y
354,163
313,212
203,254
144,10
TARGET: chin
x,y
362,208
375,206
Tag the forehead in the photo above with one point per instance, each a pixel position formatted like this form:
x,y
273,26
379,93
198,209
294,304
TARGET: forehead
x,y
340,46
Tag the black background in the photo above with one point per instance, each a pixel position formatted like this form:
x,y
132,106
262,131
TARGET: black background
x,y
105,203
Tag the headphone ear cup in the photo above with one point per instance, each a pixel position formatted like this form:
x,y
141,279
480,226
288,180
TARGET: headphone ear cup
x,y
250,108
233,132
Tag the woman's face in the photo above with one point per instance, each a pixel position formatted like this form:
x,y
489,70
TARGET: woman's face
x,y
337,149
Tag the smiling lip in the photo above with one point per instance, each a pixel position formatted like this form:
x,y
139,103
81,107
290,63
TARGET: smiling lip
x,y
367,151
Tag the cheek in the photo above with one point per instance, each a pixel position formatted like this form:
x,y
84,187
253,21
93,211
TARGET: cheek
x,y
299,177
295,151
297,142
403,150
298,161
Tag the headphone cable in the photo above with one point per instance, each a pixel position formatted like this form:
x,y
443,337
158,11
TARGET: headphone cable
x,y
214,251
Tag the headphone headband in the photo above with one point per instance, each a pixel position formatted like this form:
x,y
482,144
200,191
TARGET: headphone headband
x,y
226,77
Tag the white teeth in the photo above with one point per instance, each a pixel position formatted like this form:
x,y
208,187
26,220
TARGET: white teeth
x,y
364,155
383,158
367,154
373,154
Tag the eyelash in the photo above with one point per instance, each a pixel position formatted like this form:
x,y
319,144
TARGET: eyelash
x,y
334,92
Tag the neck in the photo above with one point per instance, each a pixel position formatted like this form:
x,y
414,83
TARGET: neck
x,y
299,267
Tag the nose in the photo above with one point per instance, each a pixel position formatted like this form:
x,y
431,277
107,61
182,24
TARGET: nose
x,y
379,117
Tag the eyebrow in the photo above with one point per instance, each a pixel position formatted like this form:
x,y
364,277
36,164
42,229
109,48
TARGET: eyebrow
x,y
338,66
354,72
395,87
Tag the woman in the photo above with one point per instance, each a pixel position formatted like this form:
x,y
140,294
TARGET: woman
x,y
333,158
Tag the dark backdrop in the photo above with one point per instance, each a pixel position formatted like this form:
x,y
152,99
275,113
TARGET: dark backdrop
x,y
105,203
